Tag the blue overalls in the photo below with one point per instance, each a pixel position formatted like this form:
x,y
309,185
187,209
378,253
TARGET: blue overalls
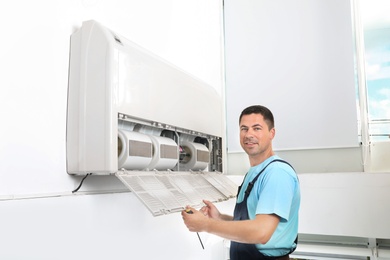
x,y
241,251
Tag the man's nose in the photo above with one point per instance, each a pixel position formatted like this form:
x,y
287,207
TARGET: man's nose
x,y
249,133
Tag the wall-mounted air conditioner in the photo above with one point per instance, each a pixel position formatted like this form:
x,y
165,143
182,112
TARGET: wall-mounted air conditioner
x,y
136,116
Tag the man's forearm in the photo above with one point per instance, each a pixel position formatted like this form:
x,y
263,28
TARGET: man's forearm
x,y
226,217
239,231
257,231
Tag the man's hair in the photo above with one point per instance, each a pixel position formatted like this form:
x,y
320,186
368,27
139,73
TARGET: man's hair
x,y
262,110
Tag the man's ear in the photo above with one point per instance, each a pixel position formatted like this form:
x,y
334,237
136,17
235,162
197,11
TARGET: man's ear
x,y
272,131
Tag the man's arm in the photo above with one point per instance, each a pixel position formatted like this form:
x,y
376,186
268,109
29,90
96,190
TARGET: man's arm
x,y
256,231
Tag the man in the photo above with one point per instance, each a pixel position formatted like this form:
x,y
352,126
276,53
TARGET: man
x,y
265,221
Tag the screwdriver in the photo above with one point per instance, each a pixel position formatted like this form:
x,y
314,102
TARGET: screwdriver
x,y
188,211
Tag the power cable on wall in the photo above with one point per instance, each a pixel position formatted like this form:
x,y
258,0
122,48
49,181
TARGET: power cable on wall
x,y
81,183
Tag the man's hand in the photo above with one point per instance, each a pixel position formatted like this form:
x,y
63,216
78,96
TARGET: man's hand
x,y
195,220
210,210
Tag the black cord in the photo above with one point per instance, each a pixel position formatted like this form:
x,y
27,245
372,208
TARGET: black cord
x,y
81,183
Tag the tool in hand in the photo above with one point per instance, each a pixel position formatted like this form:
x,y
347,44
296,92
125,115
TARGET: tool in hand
x,y
188,211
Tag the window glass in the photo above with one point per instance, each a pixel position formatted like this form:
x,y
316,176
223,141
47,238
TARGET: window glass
x,y
376,26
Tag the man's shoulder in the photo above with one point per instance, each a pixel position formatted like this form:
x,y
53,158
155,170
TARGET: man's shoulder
x,y
277,162
279,169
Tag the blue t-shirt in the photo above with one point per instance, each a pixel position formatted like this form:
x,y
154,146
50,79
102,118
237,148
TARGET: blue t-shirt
x,y
276,191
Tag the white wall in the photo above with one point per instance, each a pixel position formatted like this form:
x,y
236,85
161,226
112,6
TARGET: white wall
x,y
290,57
108,226
34,63
40,218
308,161
345,204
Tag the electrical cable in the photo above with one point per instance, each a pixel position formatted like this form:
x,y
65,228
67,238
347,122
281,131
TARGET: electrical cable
x,y
81,183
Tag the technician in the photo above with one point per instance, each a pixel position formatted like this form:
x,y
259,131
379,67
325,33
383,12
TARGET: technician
x,y
265,221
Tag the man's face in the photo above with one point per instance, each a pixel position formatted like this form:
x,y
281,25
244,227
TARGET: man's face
x,y
255,137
